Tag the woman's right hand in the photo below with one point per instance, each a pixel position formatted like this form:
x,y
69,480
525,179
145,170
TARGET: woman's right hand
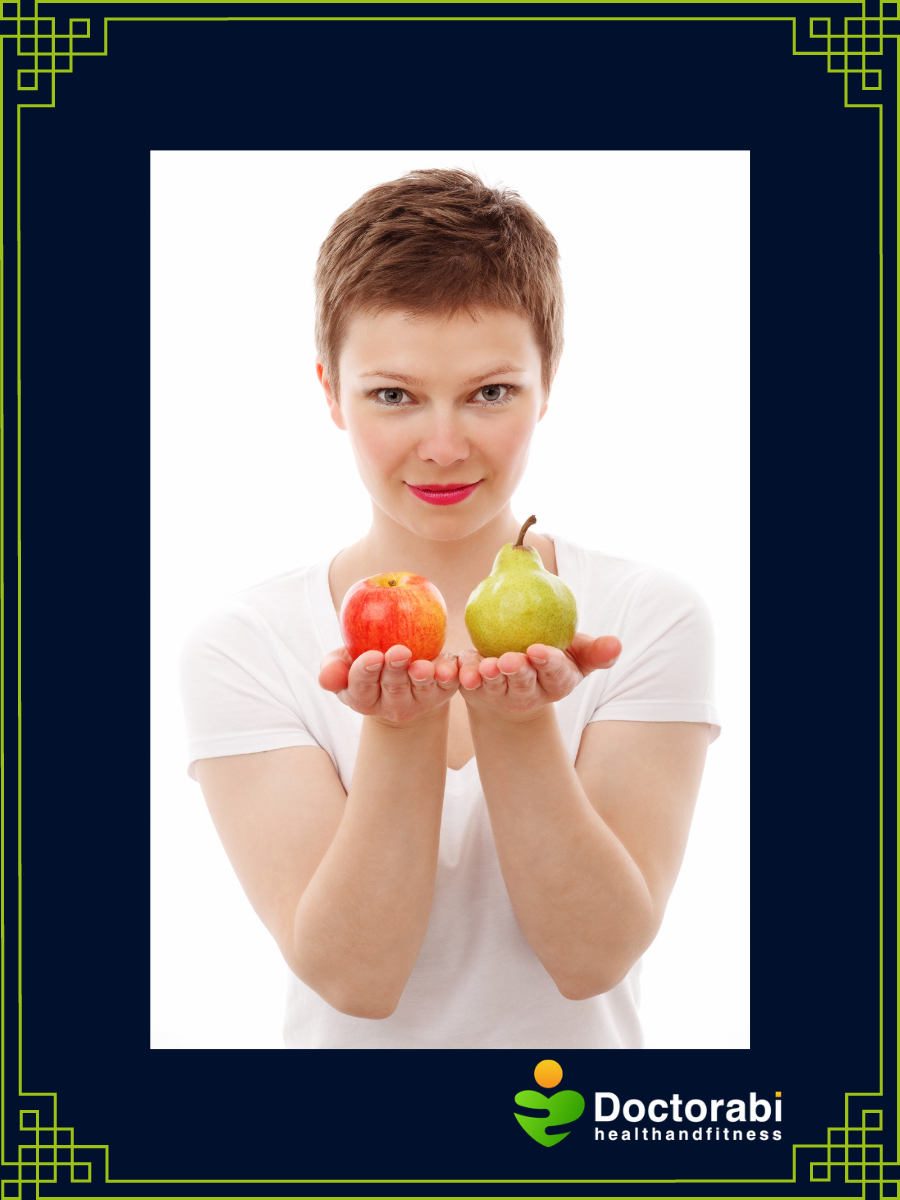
x,y
390,687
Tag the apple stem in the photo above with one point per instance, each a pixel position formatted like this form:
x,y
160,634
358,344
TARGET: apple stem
x,y
520,543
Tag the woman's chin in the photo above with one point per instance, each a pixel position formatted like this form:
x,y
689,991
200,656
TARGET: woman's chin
x,y
438,523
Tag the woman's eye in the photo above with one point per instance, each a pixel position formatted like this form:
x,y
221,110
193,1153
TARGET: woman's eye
x,y
493,392
392,396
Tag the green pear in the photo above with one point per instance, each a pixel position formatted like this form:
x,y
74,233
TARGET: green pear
x,y
520,603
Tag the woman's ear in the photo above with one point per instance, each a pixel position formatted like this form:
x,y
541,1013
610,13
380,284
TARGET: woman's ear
x,y
334,407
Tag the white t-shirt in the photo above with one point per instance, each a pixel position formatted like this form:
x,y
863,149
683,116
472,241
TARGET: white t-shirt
x,y
249,681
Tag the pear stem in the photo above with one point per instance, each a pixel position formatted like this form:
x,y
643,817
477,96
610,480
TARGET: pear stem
x,y
520,543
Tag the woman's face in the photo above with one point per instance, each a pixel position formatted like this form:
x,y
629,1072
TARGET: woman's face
x,y
440,413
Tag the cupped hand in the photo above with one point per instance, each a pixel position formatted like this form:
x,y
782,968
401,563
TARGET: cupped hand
x,y
520,686
390,686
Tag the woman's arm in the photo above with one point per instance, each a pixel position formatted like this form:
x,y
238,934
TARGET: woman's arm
x,y
590,852
345,882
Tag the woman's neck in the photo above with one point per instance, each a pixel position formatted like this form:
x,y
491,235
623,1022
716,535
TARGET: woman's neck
x,y
454,567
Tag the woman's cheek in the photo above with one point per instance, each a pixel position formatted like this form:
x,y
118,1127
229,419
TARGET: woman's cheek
x,y
509,451
379,448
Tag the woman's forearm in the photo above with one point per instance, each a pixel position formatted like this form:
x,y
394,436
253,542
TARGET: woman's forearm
x,y
360,923
578,895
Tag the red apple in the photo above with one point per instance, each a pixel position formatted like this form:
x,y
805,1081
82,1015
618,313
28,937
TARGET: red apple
x,y
394,609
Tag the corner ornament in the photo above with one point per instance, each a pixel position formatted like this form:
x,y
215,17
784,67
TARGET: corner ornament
x,y
46,47
853,47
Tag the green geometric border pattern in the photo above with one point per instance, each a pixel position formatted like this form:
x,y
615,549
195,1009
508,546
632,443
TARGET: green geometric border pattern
x,y
849,1153
51,1150
851,49
51,51
852,1158
851,46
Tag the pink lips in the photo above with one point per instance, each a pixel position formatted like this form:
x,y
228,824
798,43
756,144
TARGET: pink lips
x,y
440,493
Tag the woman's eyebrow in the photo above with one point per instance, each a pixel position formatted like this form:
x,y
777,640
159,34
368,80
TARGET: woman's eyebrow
x,y
410,379
504,370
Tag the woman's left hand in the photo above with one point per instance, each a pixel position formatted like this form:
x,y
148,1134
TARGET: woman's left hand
x,y
520,686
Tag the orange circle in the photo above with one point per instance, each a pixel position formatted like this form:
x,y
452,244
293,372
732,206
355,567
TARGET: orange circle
x,y
548,1073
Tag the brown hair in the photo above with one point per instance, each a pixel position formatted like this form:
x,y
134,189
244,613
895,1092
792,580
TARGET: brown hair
x,y
439,241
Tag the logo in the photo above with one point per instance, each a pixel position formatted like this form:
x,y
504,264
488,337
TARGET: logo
x,y
562,1108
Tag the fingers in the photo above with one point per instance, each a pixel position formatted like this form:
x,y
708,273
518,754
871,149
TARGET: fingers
x,y
395,674
554,668
394,671
420,671
446,671
398,677
432,682
469,673
594,654
511,672
334,670
364,678
389,686
516,674
429,678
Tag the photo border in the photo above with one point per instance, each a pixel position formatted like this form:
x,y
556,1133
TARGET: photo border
x,y
48,1154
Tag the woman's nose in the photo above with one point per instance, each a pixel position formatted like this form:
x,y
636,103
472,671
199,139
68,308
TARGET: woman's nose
x,y
444,442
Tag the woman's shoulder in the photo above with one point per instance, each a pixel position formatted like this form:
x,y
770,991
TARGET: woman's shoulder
x,y
605,582
594,560
591,566
289,590
286,612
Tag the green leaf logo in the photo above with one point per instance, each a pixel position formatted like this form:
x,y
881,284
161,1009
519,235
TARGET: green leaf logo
x,y
561,1107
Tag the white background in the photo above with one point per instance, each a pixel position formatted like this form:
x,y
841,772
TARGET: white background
x,y
643,453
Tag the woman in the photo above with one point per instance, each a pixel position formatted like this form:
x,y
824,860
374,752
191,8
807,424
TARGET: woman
x,y
473,852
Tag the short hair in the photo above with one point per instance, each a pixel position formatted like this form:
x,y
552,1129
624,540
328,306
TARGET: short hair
x,y
439,241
